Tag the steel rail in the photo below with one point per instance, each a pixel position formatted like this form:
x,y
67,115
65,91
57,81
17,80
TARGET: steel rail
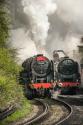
x,y
37,118
70,109
8,111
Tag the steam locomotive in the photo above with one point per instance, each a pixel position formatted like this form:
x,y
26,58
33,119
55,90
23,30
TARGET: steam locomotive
x,y
37,76
40,75
67,74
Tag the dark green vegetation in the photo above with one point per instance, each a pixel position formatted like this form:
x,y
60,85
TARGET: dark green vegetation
x,y
10,91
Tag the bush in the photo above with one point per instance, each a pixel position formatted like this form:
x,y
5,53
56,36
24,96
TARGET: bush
x,y
10,90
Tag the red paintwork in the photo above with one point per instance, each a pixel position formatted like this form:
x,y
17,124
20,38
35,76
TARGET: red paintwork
x,y
69,84
41,58
42,85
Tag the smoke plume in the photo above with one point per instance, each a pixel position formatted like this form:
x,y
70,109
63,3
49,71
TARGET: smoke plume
x,y
71,12
37,12
41,26
66,26
32,17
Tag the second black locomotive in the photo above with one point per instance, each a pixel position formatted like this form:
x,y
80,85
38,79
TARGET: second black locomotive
x,y
67,74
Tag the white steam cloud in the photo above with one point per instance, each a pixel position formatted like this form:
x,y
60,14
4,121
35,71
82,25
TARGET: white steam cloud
x,y
23,43
66,27
37,12
71,11
47,25
33,14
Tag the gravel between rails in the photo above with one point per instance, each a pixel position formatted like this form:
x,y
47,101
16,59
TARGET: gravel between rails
x,y
58,110
46,112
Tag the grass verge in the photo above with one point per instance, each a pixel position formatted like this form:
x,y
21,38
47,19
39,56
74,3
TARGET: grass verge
x,y
23,111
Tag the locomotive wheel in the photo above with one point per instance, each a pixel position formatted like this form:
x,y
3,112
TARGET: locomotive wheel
x,y
48,93
28,92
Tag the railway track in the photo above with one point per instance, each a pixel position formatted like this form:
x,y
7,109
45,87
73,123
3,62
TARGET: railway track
x,y
8,111
60,111
51,108
76,117
57,112
42,112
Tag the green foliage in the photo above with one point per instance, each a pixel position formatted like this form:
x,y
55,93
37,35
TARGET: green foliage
x,y
4,24
7,62
10,90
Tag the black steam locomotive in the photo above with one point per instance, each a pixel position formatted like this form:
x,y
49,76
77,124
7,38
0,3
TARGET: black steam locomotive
x,y
68,76
40,75
37,76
